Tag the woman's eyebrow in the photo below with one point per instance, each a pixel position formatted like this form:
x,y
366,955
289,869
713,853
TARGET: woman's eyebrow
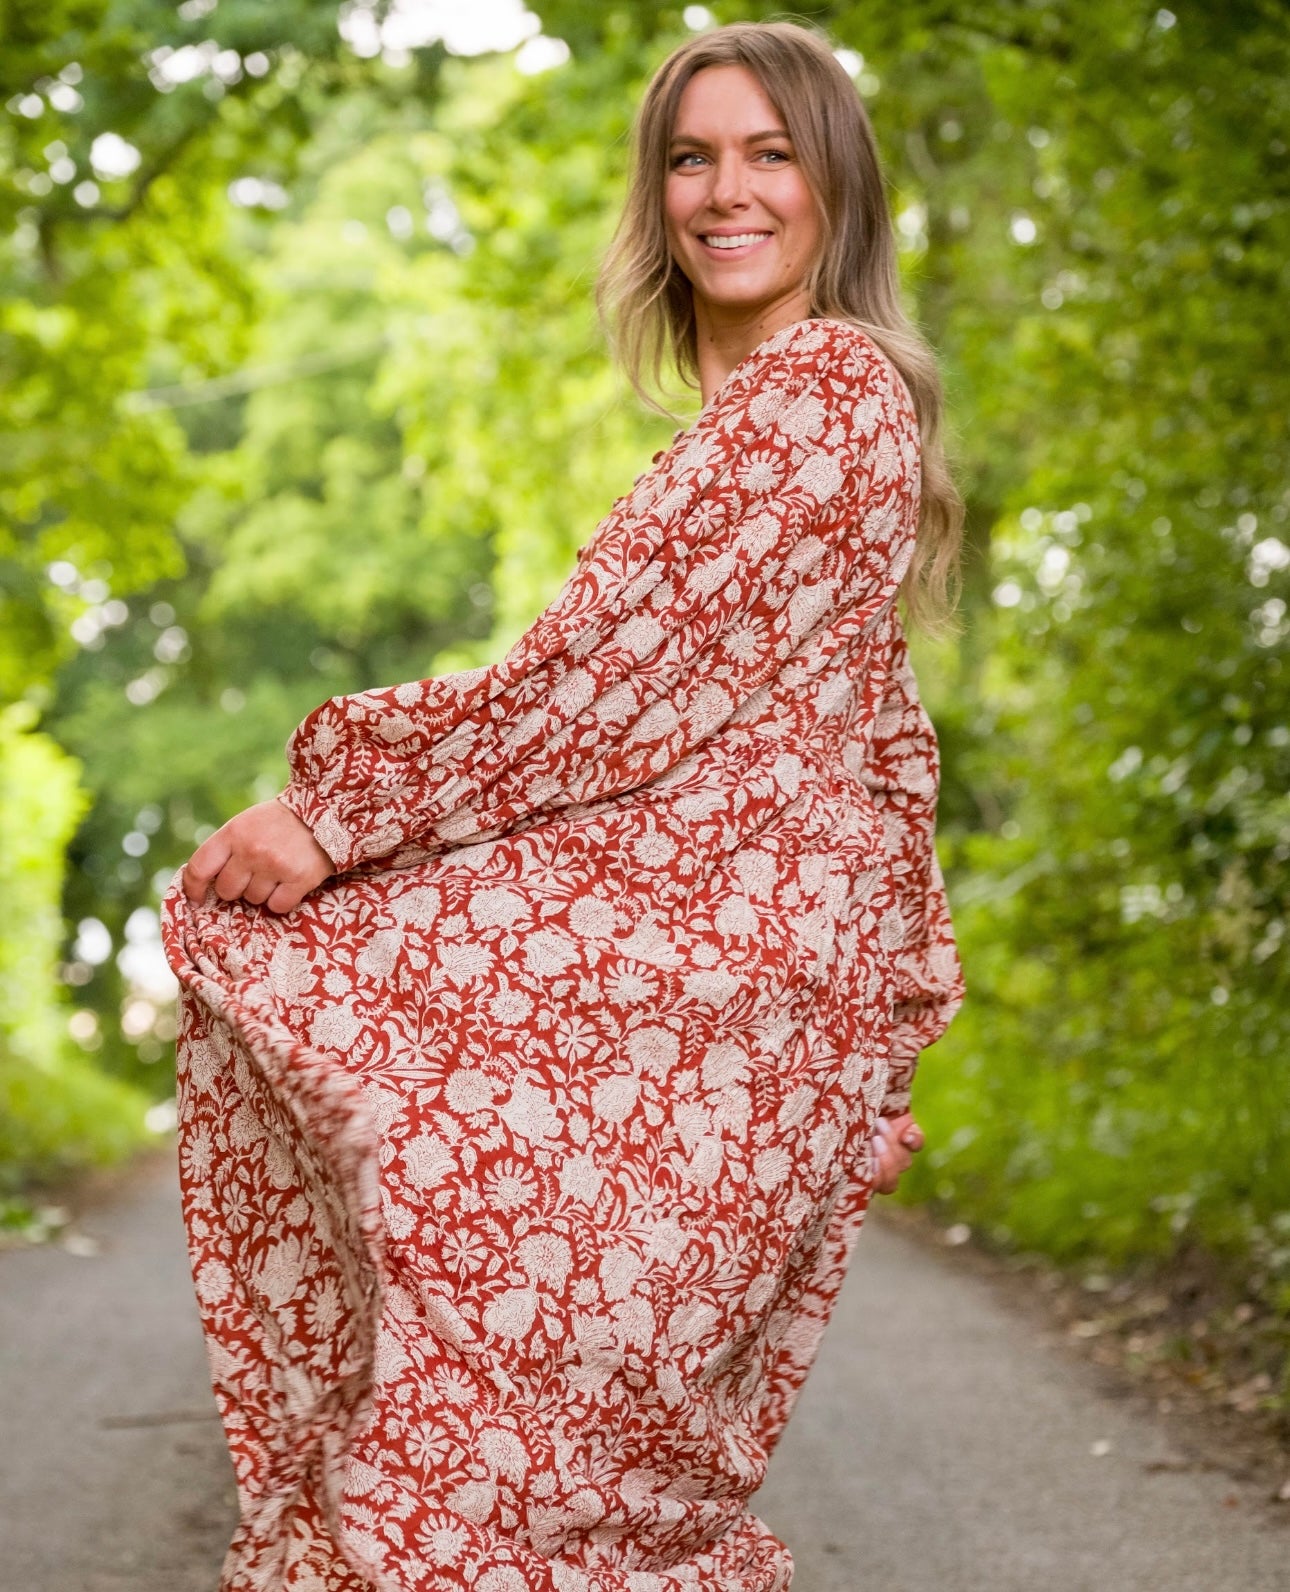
x,y
752,138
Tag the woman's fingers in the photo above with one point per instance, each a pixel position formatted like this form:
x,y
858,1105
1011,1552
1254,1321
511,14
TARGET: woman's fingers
x,y
232,880
887,1173
260,889
265,856
895,1142
205,864
277,895
284,898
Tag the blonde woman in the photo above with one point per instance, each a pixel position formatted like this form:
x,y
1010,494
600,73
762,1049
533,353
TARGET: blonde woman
x,y
544,1042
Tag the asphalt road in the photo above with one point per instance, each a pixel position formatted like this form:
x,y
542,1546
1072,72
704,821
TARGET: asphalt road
x,y
941,1442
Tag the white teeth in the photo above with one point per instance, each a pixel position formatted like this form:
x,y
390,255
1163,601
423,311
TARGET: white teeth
x,y
737,241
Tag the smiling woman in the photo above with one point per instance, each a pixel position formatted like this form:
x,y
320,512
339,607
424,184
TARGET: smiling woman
x,y
545,1040
758,198
742,222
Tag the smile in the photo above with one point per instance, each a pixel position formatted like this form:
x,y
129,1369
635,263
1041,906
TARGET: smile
x,y
737,240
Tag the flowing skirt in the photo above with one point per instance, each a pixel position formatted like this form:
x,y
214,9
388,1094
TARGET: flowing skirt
x,y
520,1182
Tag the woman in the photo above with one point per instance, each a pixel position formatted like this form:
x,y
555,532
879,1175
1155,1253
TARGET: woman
x,y
538,1040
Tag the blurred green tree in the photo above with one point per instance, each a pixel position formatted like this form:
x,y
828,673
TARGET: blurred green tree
x,y
140,159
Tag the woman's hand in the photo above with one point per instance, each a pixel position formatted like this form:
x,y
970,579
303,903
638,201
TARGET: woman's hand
x,y
896,1140
266,856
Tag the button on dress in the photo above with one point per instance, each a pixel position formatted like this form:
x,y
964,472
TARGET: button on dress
x,y
522,1163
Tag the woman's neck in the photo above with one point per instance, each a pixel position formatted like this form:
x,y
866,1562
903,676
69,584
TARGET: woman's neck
x,y
724,336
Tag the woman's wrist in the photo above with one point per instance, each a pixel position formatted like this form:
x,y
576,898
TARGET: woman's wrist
x,y
316,814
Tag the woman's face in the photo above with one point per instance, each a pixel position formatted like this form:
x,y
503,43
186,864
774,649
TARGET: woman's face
x,y
741,222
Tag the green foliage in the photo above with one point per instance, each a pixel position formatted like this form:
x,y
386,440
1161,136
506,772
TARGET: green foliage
x,y
1117,1083
121,266
56,1110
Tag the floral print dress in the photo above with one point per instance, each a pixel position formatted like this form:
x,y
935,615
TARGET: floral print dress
x,y
522,1162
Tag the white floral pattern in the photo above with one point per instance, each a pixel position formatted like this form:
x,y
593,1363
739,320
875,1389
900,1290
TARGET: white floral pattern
x,y
522,1163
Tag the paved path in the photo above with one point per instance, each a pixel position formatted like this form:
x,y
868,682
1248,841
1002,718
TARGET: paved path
x,y
941,1445
113,1472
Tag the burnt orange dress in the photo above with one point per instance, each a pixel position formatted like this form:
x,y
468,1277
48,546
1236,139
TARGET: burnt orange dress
x,y
522,1163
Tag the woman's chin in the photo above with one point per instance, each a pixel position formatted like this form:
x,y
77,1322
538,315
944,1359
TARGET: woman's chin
x,y
753,302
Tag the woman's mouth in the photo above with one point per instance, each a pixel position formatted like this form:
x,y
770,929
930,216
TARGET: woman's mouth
x,y
729,243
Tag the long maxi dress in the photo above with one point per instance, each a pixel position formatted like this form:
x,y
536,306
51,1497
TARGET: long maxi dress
x,y
522,1163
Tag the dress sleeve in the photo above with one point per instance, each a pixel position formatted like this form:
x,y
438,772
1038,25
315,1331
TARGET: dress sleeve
x,y
900,765
788,503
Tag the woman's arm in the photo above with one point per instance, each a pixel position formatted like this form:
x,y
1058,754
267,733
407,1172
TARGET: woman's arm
x,y
792,502
900,765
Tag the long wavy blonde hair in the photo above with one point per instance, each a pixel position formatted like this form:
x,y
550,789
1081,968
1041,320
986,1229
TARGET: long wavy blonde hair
x,y
646,303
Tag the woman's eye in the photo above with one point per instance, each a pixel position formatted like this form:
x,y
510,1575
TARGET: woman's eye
x,y
776,157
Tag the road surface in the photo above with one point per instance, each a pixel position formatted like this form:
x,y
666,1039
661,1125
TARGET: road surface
x,y
942,1445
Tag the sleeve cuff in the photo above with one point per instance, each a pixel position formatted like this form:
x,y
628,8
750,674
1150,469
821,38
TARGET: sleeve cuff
x,y
327,829
905,1051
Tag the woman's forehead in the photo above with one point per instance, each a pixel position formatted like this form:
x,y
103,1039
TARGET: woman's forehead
x,y
725,99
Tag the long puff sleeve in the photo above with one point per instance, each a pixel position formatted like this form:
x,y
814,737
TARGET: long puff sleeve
x,y
900,765
787,504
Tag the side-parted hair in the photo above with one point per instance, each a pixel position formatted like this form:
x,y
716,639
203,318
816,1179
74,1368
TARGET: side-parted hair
x,y
646,302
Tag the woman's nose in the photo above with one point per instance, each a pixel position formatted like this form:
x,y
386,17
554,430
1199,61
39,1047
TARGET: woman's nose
x,y
729,183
